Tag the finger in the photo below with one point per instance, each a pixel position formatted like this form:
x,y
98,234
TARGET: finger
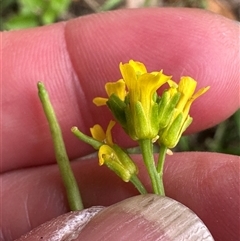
x,y
148,217
153,218
75,59
190,48
207,183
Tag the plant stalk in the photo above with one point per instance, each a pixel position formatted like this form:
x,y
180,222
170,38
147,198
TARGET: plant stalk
x,y
147,152
160,165
138,184
70,183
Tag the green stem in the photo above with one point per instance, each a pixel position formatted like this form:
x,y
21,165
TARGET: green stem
x,y
138,184
147,151
87,139
73,194
160,165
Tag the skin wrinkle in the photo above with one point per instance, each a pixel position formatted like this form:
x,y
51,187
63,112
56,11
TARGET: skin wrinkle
x,y
24,200
80,98
215,189
34,107
73,85
7,235
223,36
74,79
32,213
1,234
51,195
53,192
212,188
88,119
79,90
226,33
25,204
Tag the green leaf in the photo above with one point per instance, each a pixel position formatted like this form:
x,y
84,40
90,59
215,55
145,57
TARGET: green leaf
x,y
32,6
59,6
21,21
110,4
49,16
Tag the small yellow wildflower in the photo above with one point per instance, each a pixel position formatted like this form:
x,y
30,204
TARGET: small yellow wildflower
x,y
180,119
132,100
112,155
142,113
118,161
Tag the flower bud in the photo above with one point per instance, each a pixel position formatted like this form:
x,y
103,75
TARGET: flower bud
x,y
179,118
118,161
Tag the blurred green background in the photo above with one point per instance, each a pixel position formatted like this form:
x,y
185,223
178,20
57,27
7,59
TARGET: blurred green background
x,y
19,14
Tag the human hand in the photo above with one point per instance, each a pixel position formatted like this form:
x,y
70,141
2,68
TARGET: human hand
x,y
74,60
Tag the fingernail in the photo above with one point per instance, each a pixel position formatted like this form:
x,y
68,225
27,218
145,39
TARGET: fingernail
x,y
146,217
65,227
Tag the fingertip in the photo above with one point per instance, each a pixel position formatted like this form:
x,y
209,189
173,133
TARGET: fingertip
x,y
153,218
146,217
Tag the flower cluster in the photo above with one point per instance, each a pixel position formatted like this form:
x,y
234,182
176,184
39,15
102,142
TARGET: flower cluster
x,y
144,114
146,117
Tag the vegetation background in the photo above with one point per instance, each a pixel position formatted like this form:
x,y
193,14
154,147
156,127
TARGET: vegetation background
x,y
19,14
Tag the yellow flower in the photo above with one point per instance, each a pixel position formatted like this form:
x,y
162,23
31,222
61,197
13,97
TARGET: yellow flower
x,y
180,120
99,134
141,85
187,88
118,161
132,100
142,114
142,111
118,88
112,155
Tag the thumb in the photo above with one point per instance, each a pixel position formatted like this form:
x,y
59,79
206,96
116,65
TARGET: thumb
x,y
144,217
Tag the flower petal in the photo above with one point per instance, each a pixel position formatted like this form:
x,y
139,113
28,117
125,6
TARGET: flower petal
x,y
200,92
187,86
138,67
109,134
193,98
118,88
99,101
128,74
148,85
98,133
105,153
